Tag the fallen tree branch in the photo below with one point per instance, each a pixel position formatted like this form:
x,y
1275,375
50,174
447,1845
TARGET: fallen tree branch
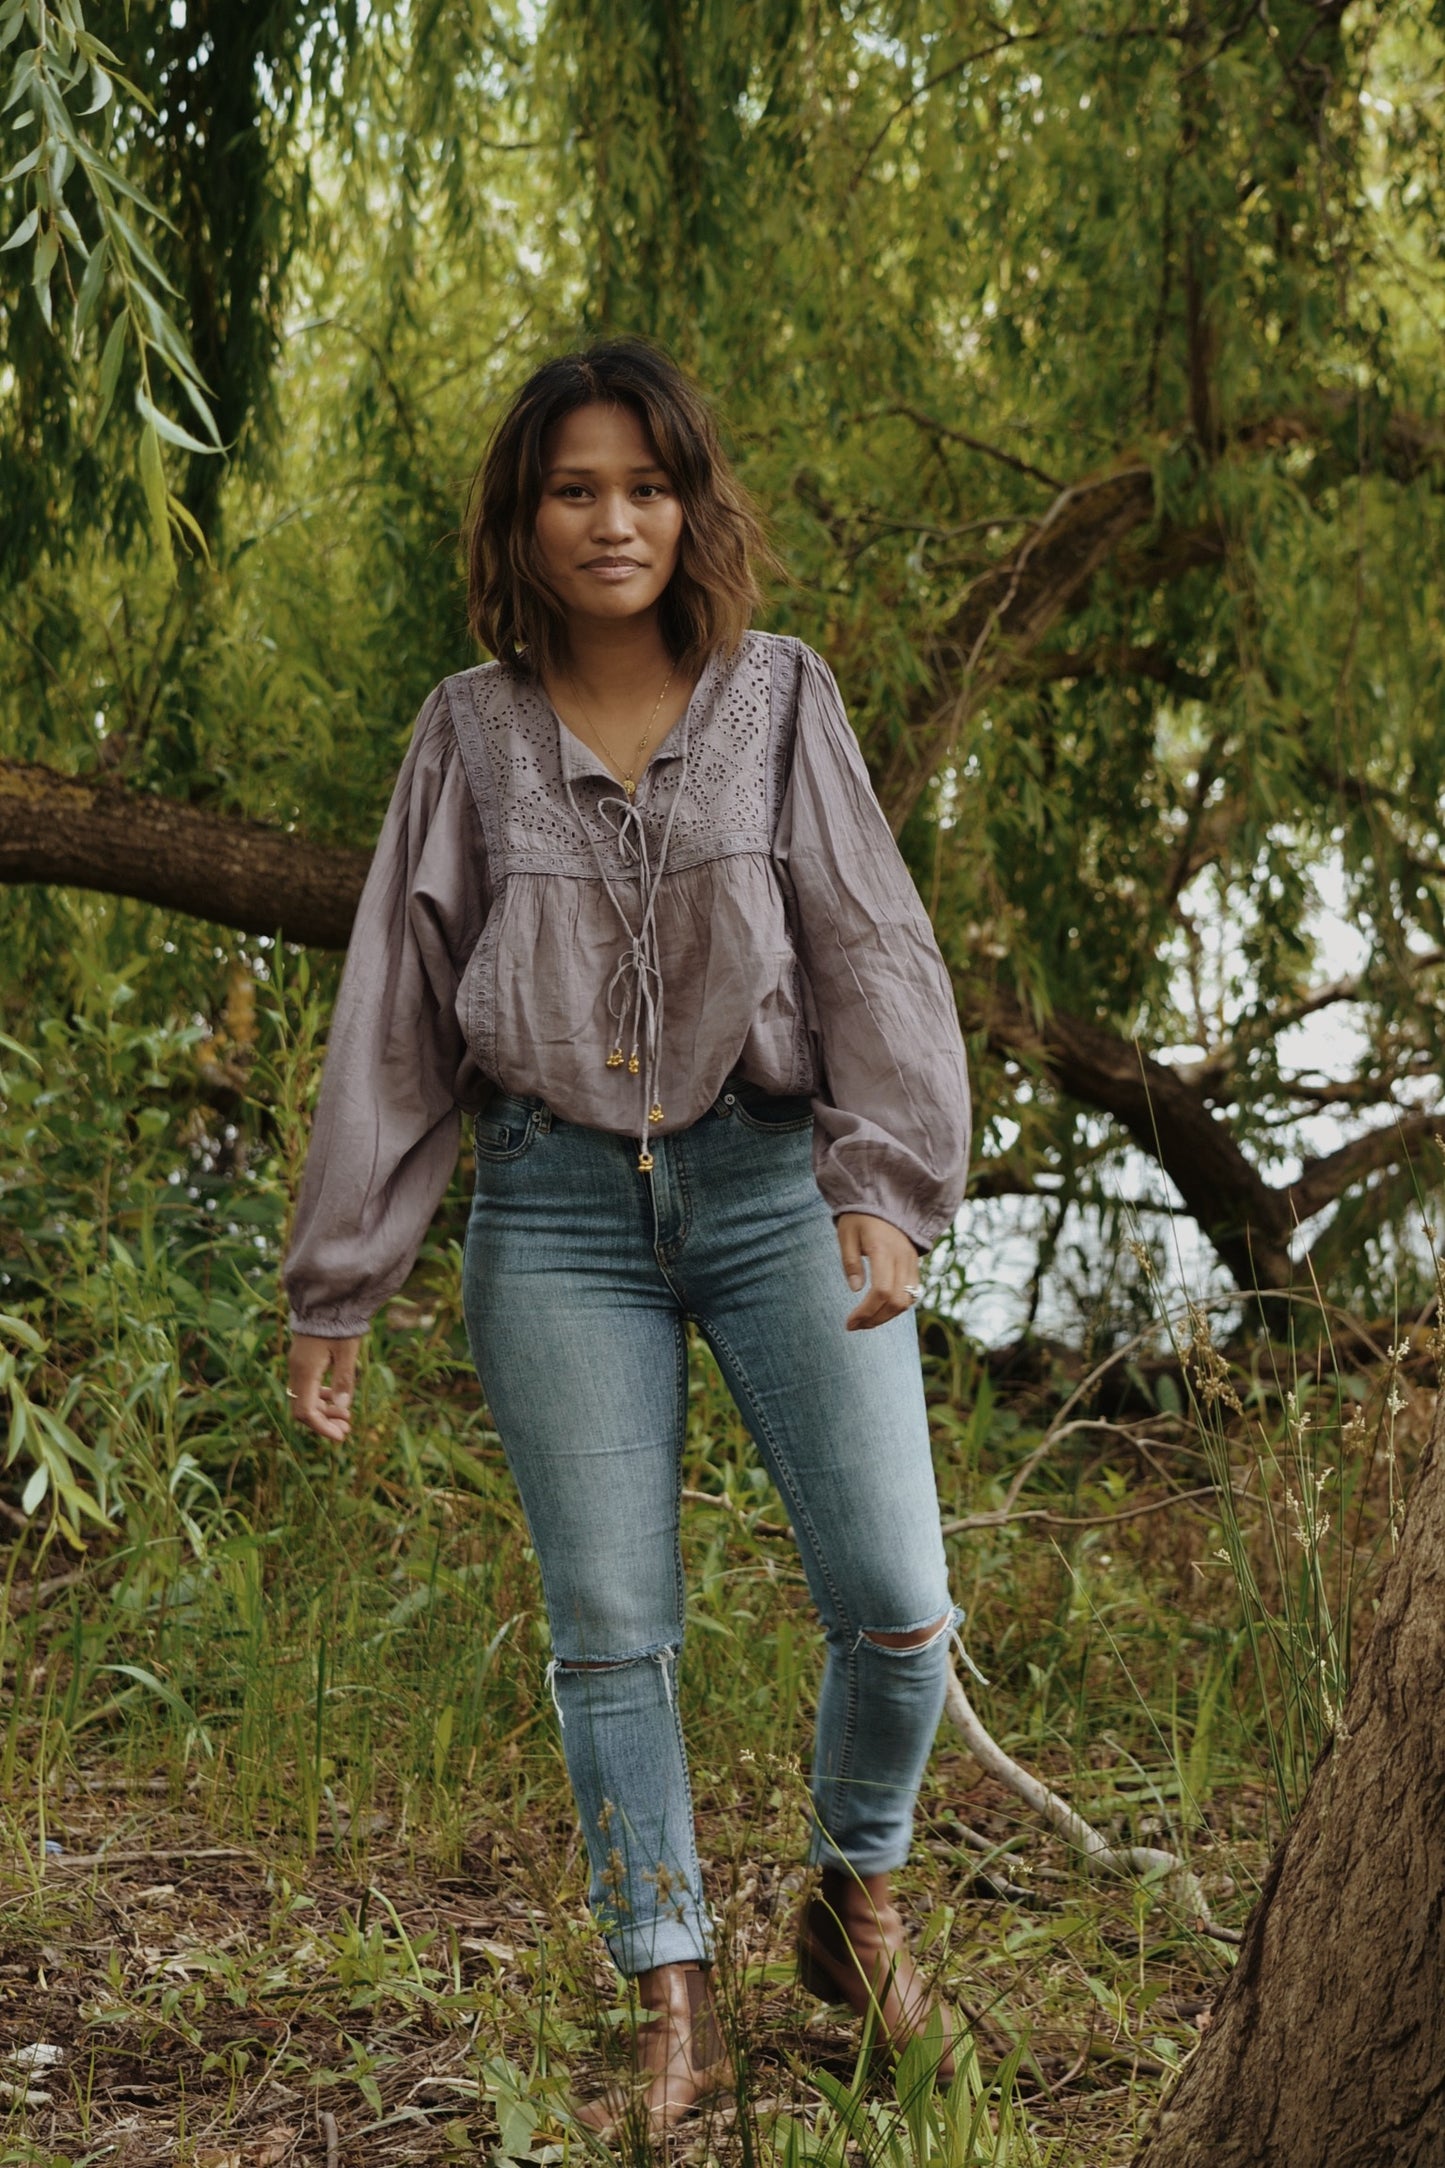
x,y
32,1595
1099,1856
1003,1519
723,1504
70,1860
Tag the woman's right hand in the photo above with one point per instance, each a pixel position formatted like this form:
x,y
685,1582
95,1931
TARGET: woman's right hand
x,y
323,1405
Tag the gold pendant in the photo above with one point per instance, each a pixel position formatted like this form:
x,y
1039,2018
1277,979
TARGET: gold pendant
x,y
655,1112
614,1059
644,1162
629,786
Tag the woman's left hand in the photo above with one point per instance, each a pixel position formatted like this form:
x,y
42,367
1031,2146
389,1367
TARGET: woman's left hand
x,y
892,1268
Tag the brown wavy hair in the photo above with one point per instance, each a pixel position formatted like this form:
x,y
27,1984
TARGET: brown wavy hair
x,y
709,601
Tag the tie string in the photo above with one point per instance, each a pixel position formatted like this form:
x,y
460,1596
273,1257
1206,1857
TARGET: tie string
x,y
635,989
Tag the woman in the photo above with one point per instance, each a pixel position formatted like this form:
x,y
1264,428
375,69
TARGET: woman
x,y
636,909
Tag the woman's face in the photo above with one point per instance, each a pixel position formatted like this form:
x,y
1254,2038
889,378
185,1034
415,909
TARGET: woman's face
x,y
609,523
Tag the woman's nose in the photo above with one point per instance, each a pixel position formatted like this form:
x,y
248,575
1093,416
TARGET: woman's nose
x,y
612,520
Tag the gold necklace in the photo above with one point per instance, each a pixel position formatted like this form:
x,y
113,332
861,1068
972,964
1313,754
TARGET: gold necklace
x,y
629,780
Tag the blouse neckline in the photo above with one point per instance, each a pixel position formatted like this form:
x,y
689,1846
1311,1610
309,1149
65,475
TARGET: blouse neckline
x,y
578,758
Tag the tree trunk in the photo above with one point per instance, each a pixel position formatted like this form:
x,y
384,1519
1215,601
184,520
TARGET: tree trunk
x,y
83,832
1328,2047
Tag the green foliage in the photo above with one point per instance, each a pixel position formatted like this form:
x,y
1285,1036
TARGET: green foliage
x,y
64,63
969,2123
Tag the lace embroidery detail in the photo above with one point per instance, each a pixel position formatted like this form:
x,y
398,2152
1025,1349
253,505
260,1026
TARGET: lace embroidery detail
x,y
727,806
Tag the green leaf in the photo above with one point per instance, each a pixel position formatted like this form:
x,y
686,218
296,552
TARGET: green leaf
x,y
21,80
23,231
110,361
171,431
158,1687
153,481
35,1490
104,90
90,285
24,166
47,248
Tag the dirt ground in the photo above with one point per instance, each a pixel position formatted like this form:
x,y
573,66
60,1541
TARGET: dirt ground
x,y
231,2006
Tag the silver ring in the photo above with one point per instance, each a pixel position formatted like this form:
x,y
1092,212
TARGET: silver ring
x,y
289,1394
914,1294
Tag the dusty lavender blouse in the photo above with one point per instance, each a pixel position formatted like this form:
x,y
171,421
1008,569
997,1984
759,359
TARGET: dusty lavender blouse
x,y
791,945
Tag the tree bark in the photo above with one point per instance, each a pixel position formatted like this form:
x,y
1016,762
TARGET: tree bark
x,y
86,832
1328,2047
1248,1223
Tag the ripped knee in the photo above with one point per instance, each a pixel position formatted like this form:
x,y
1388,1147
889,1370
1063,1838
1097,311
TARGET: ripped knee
x,y
911,1637
565,1667
667,1654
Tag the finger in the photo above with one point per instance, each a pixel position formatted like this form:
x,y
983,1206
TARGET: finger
x,y
876,1308
878,1304
316,1410
343,1367
850,1248
891,1264
315,1403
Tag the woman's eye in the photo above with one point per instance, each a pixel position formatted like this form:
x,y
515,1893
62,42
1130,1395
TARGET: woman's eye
x,y
651,489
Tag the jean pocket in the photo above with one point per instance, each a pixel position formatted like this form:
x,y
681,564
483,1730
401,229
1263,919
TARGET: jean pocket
x,y
505,1127
774,1113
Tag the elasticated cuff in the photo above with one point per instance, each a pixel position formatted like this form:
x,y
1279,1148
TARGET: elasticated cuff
x,y
331,1327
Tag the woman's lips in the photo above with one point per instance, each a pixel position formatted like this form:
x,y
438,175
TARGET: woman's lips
x,y
612,569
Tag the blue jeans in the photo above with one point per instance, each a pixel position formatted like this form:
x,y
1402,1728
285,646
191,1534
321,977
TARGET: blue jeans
x,y
580,1274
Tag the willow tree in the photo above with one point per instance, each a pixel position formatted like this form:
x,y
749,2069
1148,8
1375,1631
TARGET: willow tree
x,y
1084,362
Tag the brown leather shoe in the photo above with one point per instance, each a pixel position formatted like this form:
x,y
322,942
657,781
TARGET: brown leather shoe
x,y
680,2057
852,1948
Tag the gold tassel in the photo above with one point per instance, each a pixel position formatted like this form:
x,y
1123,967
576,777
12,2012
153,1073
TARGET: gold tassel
x,y
644,1162
633,1065
654,1112
614,1059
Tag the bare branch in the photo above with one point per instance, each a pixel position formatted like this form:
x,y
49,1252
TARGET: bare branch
x,y
943,75
932,427
1323,1180
1004,614
1244,1218
1065,1520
